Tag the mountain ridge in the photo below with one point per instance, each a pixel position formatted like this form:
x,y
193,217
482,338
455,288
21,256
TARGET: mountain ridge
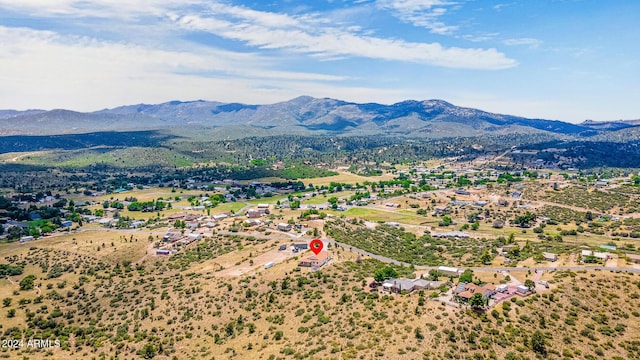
x,y
303,114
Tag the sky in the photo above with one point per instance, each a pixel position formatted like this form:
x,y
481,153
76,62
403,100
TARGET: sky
x,y
567,60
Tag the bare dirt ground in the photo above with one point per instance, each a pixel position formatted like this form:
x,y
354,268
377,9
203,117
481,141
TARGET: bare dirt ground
x,y
259,261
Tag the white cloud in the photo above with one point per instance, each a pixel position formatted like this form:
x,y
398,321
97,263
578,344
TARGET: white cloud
x,y
95,8
422,13
309,34
313,37
49,70
530,42
150,57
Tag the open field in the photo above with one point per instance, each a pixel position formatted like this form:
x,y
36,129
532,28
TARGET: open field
x,y
380,216
347,178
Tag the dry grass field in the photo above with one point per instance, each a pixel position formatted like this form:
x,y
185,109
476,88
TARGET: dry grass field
x,y
104,294
99,307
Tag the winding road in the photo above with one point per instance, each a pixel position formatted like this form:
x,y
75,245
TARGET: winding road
x,y
283,236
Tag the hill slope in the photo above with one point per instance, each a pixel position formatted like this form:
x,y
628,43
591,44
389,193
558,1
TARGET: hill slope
x,y
302,115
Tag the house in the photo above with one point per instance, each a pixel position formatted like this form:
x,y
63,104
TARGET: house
x,y
263,209
210,224
392,205
194,237
464,291
633,258
315,261
604,256
26,239
459,203
171,237
448,271
66,223
299,246
253,214
106,221
550,256
441,211
90,218
220,217
137,223
462,192
408,285
456,234
163,252
284,227
521,289
254,222
176,216
393,224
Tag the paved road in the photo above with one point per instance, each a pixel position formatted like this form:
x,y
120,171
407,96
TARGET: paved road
x,y
288,236
283,236
366,253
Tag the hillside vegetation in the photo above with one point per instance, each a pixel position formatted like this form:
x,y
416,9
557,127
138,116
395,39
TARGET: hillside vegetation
x,y
160,310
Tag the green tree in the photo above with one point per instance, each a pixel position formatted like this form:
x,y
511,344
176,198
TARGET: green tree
x,y
467,276
27,282
530,284
477,301
538,343
148,351
486,257
446,221
434,274
588,216
514,253
6,302
525,220
387,272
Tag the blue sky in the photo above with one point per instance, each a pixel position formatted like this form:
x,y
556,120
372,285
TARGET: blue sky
x,y
569,60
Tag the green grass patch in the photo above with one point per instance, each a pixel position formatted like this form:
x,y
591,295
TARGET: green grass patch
x,y
382,216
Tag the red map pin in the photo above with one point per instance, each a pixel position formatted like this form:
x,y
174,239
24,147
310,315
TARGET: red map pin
x,y
316,246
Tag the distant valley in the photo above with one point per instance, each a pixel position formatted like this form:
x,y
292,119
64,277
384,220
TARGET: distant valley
x,y
305,129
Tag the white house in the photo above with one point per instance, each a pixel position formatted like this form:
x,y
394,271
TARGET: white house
x,y
604,256
449,271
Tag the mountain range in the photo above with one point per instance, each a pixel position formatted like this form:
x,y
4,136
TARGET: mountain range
x,y
302,115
